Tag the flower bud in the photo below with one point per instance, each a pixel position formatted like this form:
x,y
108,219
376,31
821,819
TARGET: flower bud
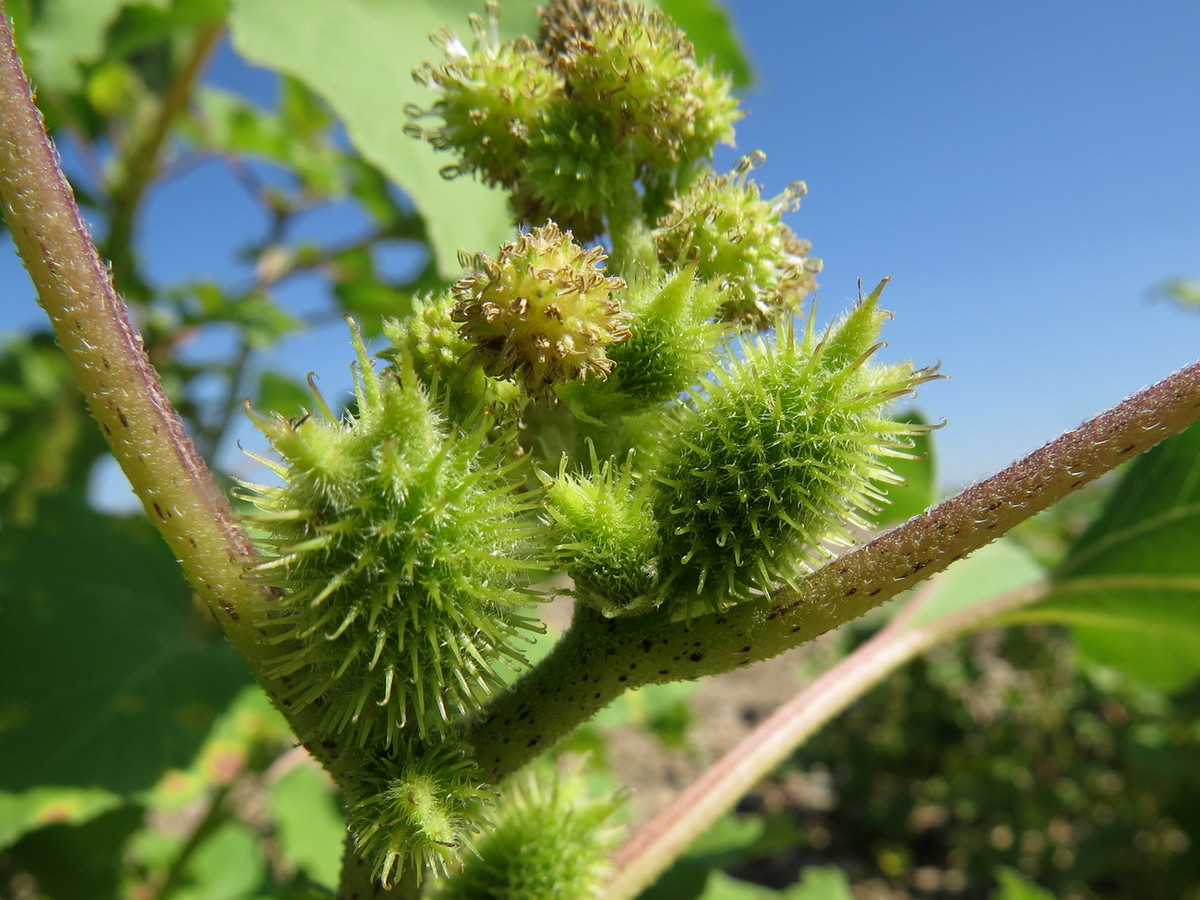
x,y
738,239
549,841
417,806
542,313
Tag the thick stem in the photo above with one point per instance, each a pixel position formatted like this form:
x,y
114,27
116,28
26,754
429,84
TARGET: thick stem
x,y
657,844
108,361
110,366
613,656
566,688
633,254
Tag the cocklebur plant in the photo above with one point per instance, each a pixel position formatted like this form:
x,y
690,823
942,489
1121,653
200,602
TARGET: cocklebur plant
x,y
607,94
659,428
397,542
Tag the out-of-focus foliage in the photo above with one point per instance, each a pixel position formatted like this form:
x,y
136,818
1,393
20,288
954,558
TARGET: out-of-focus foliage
x,y
1129,584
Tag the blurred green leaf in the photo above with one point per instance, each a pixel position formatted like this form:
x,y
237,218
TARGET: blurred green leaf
x,y
359,58
725,887
111,674
1130,586
1181,292
370,301
998,568
281,393
362,292
1014,887
141,25
226,866
259,319
309,824
918,491
817,883
821,883
78,862
297,137
37,807
67,33
712,34
300,111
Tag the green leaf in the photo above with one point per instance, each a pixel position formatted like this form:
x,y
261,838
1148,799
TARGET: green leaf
x,y
918,491
278,392
309,824
359,56
821,883
712,34
80,862
67,33
1131,584
993,570
1181,292
111,675
1014,887
725,887
227,866
297,137
35,808
141,25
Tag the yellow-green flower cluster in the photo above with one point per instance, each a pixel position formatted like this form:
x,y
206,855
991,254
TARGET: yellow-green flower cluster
x,y
542,312
738,239
610,92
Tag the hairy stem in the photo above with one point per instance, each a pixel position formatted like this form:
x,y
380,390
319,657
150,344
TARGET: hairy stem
x,y
110,366
600,659
657,844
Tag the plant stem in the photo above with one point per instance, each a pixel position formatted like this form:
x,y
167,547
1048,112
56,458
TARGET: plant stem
x,y
610,657
214,816
110,366
657,844
633,253
141,164
107,358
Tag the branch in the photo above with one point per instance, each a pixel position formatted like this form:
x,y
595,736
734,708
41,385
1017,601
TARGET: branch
x,y
109,363
601,659
658,843
141,166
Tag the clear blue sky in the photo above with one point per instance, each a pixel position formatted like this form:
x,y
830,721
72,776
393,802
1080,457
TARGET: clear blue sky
x,y
1025,171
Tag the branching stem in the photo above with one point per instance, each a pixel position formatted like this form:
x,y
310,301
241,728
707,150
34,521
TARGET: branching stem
x,y
657,844
142,165
110,366
597,659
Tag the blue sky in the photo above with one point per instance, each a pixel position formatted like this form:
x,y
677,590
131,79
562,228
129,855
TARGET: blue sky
x,y
1026,172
